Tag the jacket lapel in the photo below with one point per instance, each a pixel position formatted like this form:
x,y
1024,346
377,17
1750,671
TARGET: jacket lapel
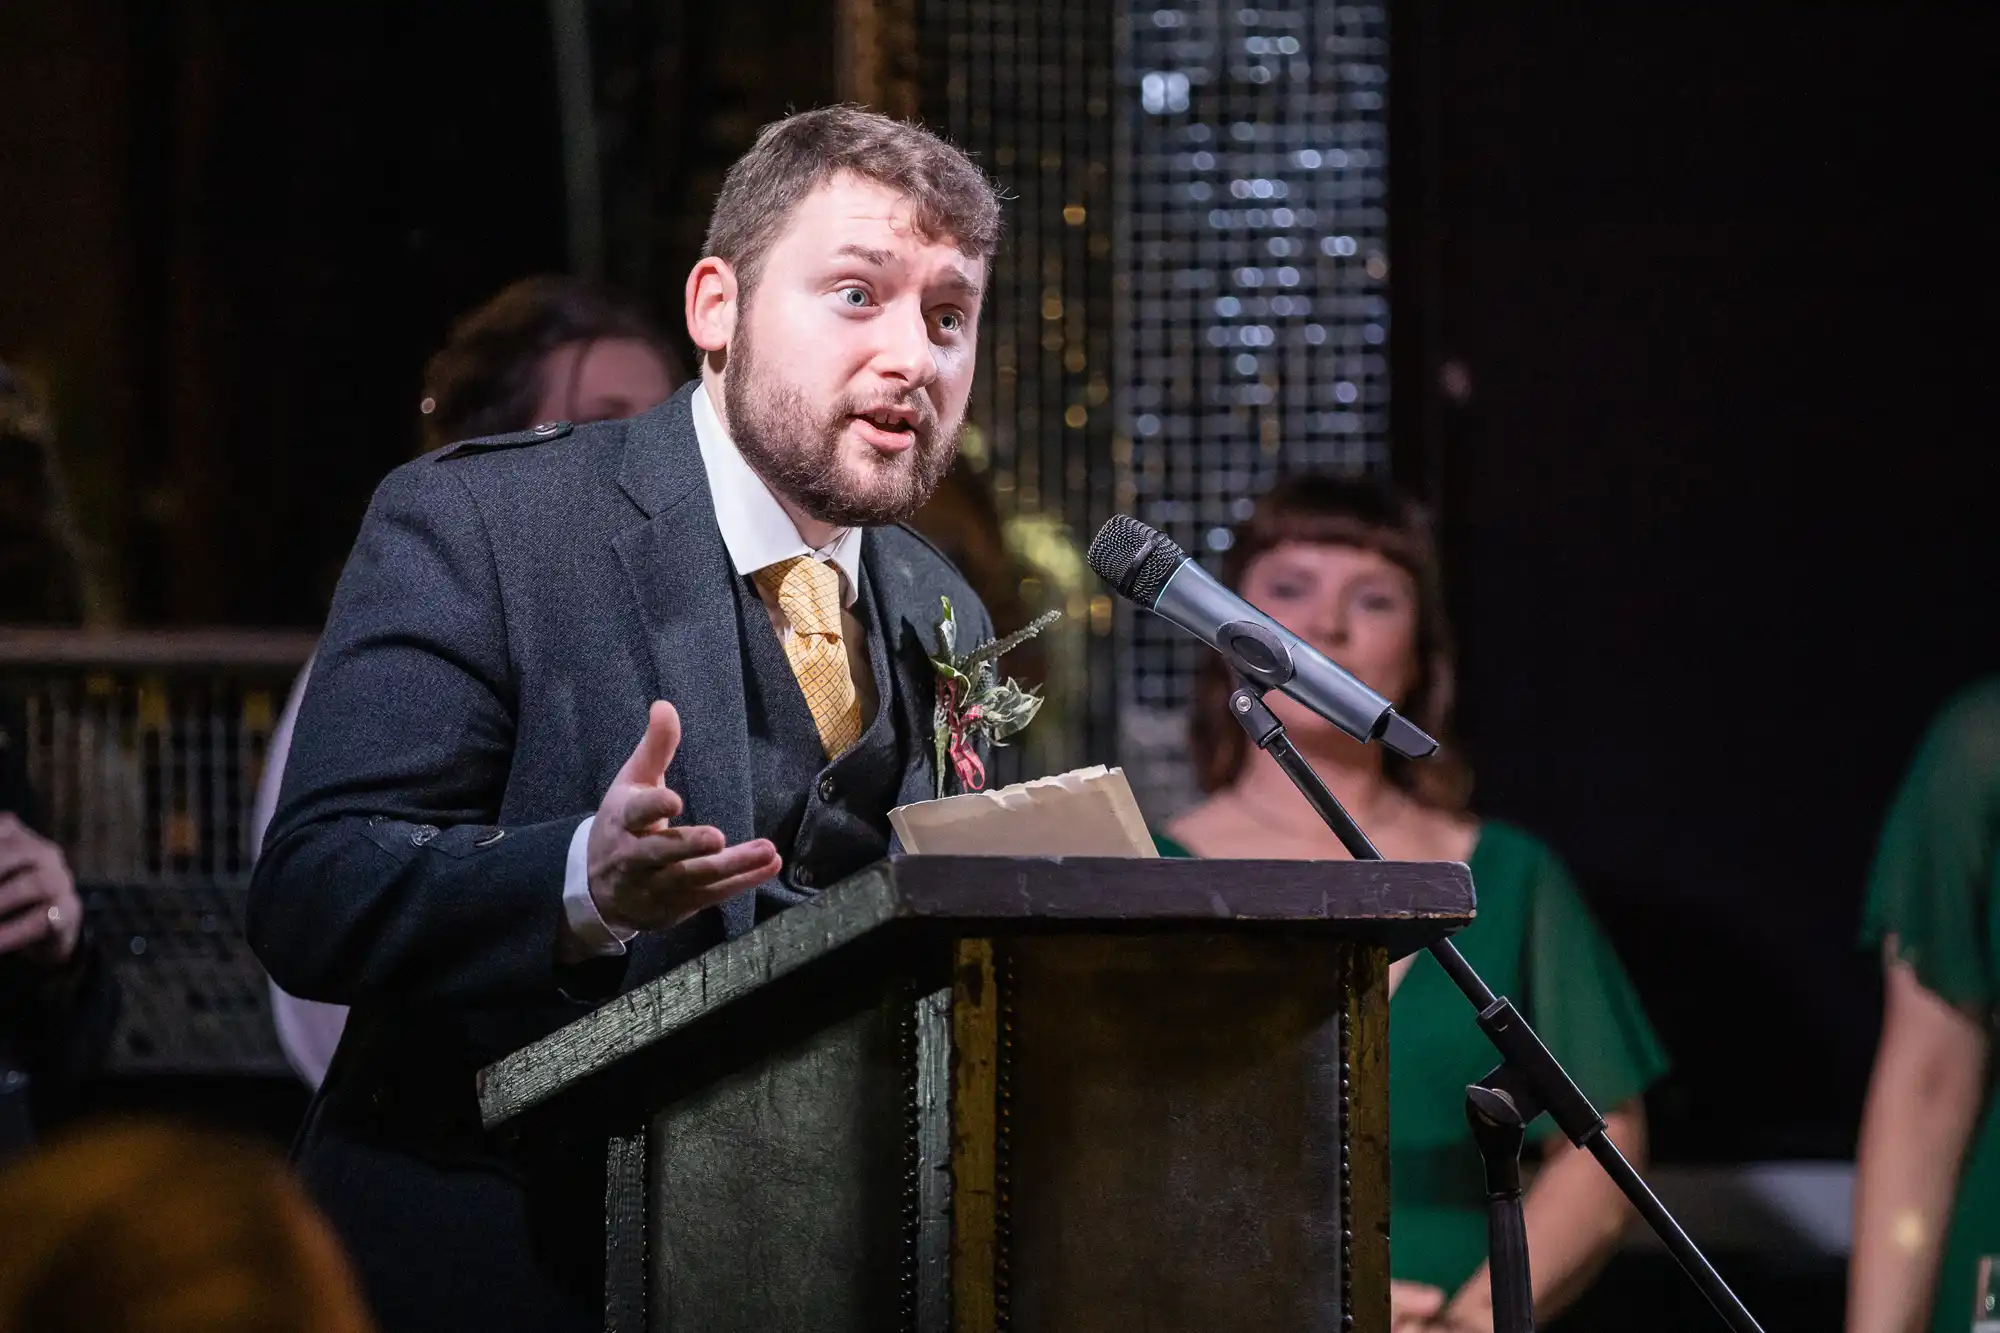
x,y
906,618
680,576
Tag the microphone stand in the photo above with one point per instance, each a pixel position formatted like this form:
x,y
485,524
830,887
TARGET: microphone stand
x,y
1527,1081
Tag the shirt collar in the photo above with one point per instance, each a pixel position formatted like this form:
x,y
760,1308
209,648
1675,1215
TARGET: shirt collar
x,y
755,527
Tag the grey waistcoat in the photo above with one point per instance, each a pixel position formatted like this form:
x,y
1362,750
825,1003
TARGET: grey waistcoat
x,y
827,819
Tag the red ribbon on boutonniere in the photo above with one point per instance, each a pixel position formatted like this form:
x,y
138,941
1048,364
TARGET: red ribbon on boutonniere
x,y
973,702
958,721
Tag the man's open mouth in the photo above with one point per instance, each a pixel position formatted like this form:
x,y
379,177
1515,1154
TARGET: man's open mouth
x,y
895,420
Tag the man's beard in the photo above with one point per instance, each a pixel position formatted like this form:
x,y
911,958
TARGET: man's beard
x,y
798,454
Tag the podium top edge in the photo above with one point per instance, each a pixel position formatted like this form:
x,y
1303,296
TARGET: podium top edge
x,y
1138,891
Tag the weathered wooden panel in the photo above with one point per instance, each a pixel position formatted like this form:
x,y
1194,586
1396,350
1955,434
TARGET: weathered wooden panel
x,y
777,1189
726,975
1171,1112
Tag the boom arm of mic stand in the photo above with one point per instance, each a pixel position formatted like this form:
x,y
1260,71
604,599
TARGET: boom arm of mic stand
x,y
1504,1027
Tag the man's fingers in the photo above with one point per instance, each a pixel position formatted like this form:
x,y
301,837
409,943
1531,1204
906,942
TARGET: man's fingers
x,y
658,880
677,860
648,807
729,870
656,851
721,875
746,879
648,765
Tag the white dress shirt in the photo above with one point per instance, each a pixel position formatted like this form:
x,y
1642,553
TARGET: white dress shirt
x,y
757,532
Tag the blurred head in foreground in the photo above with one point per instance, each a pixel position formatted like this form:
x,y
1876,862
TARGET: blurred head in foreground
x,y
546,348
146,1228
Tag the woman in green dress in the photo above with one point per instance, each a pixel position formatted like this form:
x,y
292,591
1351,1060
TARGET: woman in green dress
x,y
1350,566
1927,1175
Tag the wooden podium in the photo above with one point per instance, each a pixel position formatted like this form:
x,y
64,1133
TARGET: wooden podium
x,y
987,1093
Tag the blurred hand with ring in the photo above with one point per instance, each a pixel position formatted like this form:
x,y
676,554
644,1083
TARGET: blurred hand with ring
x,y
41,918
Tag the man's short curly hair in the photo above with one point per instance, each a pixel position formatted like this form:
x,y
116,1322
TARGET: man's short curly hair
x,y
951,198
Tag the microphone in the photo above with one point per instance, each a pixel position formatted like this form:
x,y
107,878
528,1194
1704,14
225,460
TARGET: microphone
x,y
1145,566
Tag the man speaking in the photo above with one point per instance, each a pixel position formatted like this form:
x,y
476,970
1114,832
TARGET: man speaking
x,y
591,701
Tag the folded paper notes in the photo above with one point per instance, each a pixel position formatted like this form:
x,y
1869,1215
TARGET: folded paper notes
x,y
1088,812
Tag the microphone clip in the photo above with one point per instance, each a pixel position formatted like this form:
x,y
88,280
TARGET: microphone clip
x,y
1256,653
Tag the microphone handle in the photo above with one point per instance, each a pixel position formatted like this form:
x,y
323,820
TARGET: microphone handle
x,y
1202,606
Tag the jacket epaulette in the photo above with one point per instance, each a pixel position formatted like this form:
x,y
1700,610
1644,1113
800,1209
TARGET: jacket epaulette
x,y
486,444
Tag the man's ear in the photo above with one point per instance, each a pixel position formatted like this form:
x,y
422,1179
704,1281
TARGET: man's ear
x,y
712,304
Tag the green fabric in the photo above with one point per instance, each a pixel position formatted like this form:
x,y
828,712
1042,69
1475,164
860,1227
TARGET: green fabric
x,y
1533,940
1936,888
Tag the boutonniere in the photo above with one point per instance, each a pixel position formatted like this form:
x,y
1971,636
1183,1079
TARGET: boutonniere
x,y
972,700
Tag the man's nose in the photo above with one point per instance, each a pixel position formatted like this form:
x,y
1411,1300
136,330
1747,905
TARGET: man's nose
x,y
905,352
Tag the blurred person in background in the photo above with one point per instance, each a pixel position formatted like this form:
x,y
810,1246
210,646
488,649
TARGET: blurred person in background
x,y
148,1228
41,557
57,997
1350,566
1927,1172
546,348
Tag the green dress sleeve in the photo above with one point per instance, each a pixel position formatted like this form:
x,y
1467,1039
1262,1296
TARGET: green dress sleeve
x,y
1934,870
1579,998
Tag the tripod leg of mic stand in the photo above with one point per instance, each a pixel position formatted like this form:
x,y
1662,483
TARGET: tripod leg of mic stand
x,y
1500,1127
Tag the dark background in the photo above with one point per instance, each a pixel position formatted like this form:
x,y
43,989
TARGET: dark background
x,y
1719,507
1718,511
230,235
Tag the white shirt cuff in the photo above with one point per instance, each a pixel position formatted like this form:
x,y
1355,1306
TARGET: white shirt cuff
x,y
590,935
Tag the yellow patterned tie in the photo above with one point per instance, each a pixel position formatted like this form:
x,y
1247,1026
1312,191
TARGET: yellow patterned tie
x,y
808,592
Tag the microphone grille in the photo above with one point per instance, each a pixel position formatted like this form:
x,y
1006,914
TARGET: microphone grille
x,y
1133,558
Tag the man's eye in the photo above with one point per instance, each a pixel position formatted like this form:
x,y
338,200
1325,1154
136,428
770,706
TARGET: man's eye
x,y
951,321
854,296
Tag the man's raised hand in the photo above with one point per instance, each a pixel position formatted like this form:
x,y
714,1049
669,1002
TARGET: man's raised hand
x,y
646,874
